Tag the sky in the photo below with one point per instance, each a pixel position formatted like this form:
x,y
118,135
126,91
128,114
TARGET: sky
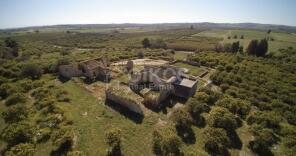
x,y
22,13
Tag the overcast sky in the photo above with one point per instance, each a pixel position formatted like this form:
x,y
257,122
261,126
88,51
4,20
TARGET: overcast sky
x,y
20,13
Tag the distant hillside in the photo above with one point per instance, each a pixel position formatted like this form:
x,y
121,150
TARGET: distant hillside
x,y
282,28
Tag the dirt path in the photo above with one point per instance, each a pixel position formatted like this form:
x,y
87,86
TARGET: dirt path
x,y
141,62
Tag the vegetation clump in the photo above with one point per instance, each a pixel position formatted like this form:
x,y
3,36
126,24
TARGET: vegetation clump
x,y
113,139
166,142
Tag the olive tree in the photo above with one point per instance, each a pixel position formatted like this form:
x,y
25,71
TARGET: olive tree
x,y
166,142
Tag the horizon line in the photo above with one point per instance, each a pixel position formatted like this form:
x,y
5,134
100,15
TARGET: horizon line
x,y
143,23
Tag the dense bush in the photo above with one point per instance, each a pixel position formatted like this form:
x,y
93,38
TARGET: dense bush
x,y
235,106
220,117
15,99
18,133
6,90
166,142
146,43
113,139
264,139
23,149
63,139
181,118
15,113
32,70
266,119
216,141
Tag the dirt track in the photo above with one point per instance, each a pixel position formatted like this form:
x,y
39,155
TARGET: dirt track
x,y
141,62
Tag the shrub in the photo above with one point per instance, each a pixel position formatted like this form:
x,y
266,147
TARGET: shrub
x,y
113,139
23,149
146,43
158,43
202,97
75,153
63,138
216,141
267,119
220,117
32,70
166,142
265,135
18,133
3,80
15,99
15,113
235,106
7,89
181,118
141,55
26,85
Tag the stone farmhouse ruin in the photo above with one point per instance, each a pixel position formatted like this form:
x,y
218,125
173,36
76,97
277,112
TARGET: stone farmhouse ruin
x,y
157,83
154,84
92,69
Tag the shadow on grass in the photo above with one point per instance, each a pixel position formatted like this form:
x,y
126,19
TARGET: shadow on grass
x,y
135,117
260,149
235,141
62,150
200,121
187,135
63,79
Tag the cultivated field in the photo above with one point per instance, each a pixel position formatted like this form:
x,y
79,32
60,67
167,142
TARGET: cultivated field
x,y
280,40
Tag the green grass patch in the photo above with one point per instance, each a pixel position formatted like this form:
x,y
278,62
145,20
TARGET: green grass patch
x,y
193,70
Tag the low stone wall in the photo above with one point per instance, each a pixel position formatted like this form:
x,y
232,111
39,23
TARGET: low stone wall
x,y
126,101
186,62
69,71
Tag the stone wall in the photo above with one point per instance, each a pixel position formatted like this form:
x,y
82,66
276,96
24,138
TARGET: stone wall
x,y
69,71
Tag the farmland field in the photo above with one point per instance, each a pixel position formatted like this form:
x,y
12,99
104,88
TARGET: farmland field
x,y
281,39
253,94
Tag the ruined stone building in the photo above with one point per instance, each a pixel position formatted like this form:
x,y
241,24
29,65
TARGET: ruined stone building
x,y
91,69
161,81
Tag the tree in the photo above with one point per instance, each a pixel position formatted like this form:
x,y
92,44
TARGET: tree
x,y
10,43
216,141
146,43
113,139
242,37
235,47
252,48
32,70
166,142
263,139
235,36
235,106
220,117
241,49
267,119
196,108
258,49
141,55
262,48
181,118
